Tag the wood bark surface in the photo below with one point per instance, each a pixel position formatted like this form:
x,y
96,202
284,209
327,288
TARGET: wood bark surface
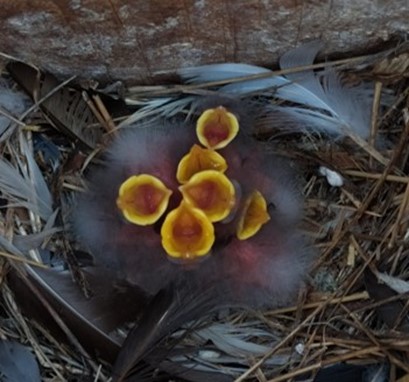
x,y
133,40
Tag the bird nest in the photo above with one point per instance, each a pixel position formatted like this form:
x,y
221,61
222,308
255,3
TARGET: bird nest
x,y
351,316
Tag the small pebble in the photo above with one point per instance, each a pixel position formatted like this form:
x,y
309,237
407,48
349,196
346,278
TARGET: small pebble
x,y
299,348
333,178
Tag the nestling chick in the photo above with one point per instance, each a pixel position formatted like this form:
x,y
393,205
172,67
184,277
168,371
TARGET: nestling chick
x,y
213,224
164,210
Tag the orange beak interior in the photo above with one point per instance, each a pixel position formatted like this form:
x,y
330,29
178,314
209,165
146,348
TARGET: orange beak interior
x,y
199,159
216,128
187,233
253,216
143,199
212,192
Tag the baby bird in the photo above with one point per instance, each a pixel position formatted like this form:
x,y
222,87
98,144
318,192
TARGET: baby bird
x,y
176,203
202,209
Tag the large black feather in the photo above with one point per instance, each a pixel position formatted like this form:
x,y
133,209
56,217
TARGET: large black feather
x,y
65,108
92,320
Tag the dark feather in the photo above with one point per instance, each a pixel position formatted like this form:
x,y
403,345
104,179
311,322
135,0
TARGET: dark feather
x,y
92,320
141,337
65,108
340,373
168,311
353,373
390,312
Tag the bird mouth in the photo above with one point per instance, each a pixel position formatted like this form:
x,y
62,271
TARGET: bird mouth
x,y
187,233
254,215
143,199
199,159
216,128
212,192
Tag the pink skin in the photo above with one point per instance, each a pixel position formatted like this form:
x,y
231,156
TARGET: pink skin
x,y
254,169
243,261
130,234
267,269
165,172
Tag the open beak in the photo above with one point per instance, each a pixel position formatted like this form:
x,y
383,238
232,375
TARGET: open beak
x,y
143,199
253,216
199,159
216,128
187,233
212,192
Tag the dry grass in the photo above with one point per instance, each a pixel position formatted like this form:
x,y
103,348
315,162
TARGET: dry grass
x,y
359,228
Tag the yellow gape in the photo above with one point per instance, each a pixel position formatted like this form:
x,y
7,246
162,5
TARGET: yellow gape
x,y
143,199
216,128
187,233
199,159
212,192
253,216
